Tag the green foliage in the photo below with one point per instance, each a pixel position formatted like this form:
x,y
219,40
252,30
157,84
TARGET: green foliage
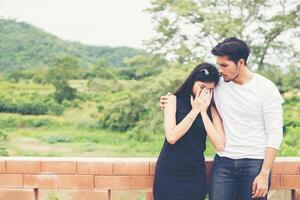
x,y
285,81
64,69
122,112
102,72
12,122
57,139
138,106
8,122
54,107
291,140
142,66
52,196
63,92
28,104
141,136
3,138
189,29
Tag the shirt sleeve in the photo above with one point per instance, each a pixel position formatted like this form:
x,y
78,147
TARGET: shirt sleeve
x,y
273,116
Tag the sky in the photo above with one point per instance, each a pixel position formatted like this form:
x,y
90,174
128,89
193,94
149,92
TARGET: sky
x,y
95,22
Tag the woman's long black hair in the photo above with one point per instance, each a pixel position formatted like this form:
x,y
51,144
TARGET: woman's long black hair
x,y
204,72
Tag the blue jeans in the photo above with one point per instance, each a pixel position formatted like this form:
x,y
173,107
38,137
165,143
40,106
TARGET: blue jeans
x,y
232,179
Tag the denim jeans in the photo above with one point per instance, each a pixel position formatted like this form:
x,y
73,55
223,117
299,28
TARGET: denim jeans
x,y
232,179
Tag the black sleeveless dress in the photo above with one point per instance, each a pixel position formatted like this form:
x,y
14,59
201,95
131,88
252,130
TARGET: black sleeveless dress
x,y
180,168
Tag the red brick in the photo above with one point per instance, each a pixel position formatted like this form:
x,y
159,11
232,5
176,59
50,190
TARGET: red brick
x,y
112,182
149,195
275,182
90,195
152,167
41,181
17,194
58,167
286,167
97,167
131,167
141,182
59,181
76,181
22,166
11,180
2,166
290,181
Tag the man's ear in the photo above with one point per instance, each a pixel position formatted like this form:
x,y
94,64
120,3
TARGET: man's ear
x,y
241,62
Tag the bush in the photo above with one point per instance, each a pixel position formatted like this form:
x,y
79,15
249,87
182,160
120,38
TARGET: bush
x,y
3,138
140,136
122,112
32,107
8,122
27,104
57,138
54,107
38,122
64,92
66,103
57,109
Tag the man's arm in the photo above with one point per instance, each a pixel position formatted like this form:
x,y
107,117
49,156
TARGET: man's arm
x,y
260,184
273,120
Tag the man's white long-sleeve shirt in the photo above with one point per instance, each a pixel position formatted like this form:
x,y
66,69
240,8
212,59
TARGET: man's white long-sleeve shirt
x,y
252,117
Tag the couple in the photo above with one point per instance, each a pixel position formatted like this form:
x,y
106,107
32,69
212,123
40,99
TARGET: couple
x,y
244,124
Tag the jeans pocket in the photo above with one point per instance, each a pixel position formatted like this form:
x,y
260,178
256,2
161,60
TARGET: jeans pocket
x,y
255,163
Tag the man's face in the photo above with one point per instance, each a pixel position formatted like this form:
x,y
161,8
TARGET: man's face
x,y
227,68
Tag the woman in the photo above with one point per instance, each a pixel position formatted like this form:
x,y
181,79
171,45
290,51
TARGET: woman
x,y
188,118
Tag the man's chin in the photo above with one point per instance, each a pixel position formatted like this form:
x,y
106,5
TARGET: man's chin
x,y
226,79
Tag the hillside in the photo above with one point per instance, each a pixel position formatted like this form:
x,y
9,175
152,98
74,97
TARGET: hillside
x,y
25,46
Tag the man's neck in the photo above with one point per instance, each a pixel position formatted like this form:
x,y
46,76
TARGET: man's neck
x,y
244,76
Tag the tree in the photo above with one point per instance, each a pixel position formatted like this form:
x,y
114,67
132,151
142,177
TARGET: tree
x,y
58,75
141,66
187,29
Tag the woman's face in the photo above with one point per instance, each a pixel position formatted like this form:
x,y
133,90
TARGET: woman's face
x,y
199,85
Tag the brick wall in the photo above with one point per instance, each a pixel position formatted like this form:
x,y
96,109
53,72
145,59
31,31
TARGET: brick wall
x,y
21,178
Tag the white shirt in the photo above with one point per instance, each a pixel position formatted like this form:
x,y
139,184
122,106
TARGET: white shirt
x,y
252,117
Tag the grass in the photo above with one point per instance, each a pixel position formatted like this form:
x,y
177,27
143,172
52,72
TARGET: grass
x,y
68,142
77,133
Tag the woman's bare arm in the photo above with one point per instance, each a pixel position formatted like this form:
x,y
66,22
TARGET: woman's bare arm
x,y
214,127
174,132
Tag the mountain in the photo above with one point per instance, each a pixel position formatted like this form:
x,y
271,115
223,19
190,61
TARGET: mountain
x,y
25,46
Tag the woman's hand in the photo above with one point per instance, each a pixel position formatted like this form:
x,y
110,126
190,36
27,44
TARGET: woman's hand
x,y
198,102
207,101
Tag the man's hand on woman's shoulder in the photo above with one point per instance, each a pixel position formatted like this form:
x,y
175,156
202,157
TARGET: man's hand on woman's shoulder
x,y
165,99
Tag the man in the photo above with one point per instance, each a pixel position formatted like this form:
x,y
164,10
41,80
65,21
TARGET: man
x,y
250,106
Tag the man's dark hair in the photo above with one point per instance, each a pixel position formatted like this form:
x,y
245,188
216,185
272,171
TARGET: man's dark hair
x,y
235,49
